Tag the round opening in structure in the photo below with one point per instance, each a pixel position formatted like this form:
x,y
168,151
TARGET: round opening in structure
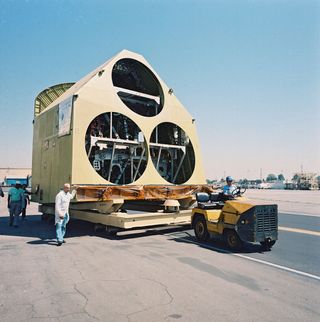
x,y
137,87
116,148
172,153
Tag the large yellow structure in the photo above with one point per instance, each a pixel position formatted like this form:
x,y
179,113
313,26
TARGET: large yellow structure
x,y
119,126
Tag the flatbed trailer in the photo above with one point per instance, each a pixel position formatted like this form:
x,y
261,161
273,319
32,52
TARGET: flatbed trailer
x,y
140,220
118,221
129,207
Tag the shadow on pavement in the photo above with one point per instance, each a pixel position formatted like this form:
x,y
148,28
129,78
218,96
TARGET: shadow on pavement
x,y
145,232
51,242
218,245
44,231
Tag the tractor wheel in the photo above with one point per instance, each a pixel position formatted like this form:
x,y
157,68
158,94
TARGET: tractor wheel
x,y
267,245
232,239
200,229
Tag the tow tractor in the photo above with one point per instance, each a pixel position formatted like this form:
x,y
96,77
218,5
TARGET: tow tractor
x,y
235,218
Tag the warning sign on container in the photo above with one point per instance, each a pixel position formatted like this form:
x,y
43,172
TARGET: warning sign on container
x,y
65,110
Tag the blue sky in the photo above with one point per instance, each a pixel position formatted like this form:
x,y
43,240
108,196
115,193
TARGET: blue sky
x,y
248,71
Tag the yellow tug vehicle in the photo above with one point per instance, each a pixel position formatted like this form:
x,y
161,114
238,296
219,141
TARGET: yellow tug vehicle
x,y
235,218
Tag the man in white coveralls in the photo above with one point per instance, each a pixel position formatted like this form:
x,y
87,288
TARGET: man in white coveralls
x,y
62,211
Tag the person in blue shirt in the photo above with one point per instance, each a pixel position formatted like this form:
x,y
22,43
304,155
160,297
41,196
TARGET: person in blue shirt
x,y
229,188
15,200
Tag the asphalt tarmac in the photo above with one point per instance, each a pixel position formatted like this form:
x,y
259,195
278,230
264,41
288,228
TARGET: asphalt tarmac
x,y
160,274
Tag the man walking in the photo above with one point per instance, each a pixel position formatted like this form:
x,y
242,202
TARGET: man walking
x,y
1,192
62,211
15,197
25,201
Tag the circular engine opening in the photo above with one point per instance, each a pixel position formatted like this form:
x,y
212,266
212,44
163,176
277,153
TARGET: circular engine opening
x,y
116,148
137,87
172,153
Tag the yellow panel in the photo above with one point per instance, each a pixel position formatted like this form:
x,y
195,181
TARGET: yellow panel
x,y
230,218
98,96
238,206
51,158
213,214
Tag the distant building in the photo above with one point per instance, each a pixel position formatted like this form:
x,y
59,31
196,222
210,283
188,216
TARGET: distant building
x,y
290,185
306,181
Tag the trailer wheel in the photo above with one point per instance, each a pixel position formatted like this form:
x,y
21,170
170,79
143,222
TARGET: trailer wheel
x,y
112,231
232,239
99,228
200,228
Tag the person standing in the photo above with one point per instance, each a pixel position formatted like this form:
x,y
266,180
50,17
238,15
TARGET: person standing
x,y
1,192
62,203
25,201
15,197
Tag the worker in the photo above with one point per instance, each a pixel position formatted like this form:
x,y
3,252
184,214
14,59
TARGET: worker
x,y
25,201
1,191
15,197
62,203
229,188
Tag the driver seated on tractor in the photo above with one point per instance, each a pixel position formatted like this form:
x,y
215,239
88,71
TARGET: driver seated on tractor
x,y
229,188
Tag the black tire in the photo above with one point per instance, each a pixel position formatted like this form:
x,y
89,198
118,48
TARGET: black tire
x,y
111,231
200,229
232,239
99,228
267,244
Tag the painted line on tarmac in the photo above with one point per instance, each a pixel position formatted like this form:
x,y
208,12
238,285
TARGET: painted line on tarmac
x,y
300,231
298,214
284,268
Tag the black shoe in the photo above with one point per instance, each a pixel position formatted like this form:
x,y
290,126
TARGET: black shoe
x,y
64,241
59,244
